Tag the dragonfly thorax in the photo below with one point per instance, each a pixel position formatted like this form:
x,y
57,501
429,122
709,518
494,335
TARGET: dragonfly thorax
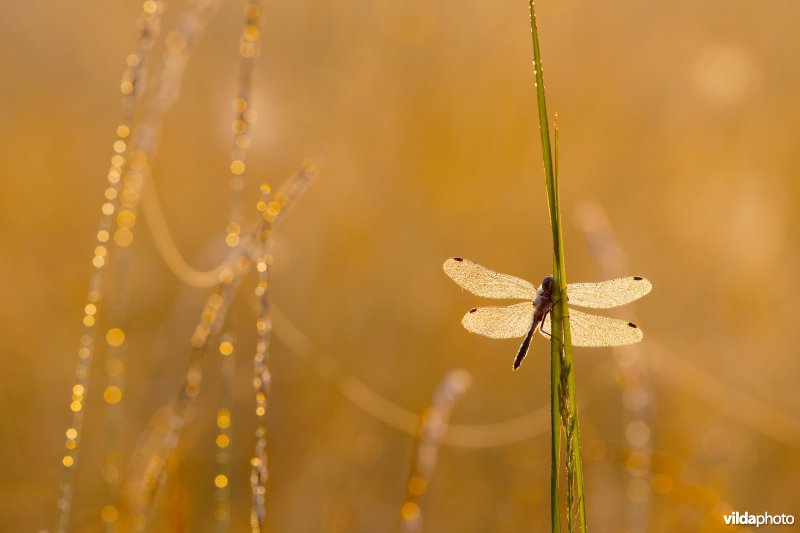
x,y
543,301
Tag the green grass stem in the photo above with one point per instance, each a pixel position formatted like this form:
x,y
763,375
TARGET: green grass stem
x,y
563,402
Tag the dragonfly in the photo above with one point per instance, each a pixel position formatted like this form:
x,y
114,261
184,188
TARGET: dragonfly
x,y
524,319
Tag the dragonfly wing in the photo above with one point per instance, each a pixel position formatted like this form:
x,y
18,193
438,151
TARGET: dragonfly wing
x,y
500,322
596,331
611,293
487,283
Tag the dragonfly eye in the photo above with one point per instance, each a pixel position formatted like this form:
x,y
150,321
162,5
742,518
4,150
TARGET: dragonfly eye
x,y
547,283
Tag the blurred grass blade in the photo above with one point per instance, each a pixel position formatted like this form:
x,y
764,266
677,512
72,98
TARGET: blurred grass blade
x,y
433,426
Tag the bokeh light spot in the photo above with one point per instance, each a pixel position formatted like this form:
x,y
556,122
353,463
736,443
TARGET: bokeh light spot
x,y
123,237
109,514
226,348
115,337
112,395
417,485
409,511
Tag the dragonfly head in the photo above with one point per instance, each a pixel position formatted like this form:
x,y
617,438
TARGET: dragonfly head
x,y
547,284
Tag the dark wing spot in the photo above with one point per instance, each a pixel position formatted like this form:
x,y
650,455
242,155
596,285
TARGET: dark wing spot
x,y
631,324
638,278
461,259
473,309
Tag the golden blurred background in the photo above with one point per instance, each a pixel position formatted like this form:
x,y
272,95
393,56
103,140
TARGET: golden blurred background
x,y
678,130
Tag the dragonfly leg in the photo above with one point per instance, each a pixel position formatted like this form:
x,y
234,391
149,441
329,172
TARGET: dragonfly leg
x,y
541,325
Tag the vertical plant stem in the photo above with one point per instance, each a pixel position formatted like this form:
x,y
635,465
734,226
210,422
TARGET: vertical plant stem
x,y
262,377
555,420
132,88
566,418
222,480
575,461
433,425
556,335
560,334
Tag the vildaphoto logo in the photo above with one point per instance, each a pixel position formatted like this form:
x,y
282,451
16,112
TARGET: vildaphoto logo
x,y
764,519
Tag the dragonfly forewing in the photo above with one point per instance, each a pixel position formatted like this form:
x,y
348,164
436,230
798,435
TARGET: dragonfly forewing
x,y
597,331
481,281
506,322
605,294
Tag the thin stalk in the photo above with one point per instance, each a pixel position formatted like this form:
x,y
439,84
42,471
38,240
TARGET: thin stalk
x,y
575,460
555,415
555,350
560,314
